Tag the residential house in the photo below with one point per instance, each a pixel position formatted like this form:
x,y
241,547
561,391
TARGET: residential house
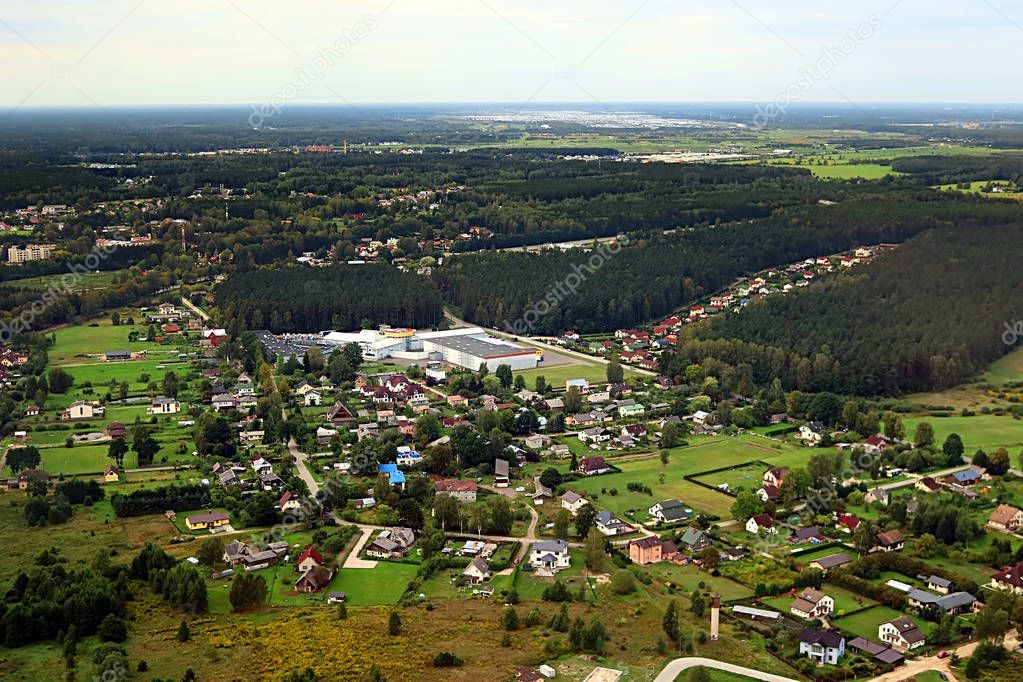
x,y
593,466
207,521
315,579
902,633
775,476
224,402
573,501
648,550
609,524
463,491
339,414
847,522
812,534
1009,579
882,653
26,478
111,474
889,541
501,475
477,572
966,477
313,398
289,502
164,406
669,511
831,561
238,550
595,434
878,495
550,555
394,477
260,559
310,558
811,433
83,409
393,543
407,457
694,540
554,404
939,584
1005,518
953,603
761,522
927,485
811,603
822,646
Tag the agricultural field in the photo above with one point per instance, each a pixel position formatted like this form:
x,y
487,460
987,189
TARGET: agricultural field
x,y
703,454
983,431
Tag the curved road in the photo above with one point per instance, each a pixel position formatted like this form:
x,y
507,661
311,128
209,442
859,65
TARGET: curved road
x,y
680,665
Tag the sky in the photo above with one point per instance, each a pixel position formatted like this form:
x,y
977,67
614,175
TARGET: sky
x,y
268,54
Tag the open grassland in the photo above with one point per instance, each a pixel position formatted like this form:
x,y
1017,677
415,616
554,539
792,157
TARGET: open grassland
x,y
557,375
1007,368
985,431
79,341
703,454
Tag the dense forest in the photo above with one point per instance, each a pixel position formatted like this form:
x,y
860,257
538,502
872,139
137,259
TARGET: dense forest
x,y
652,277
306,299
927,315
946,170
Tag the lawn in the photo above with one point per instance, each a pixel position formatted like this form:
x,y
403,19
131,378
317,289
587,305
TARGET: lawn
x,y
865,623
701,455
689,578
845,601
1006,369
985,431
557,375
748,477
374,586
74,342
81,459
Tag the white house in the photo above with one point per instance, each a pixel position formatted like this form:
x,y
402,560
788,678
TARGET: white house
x,y
477,572
407,457
83,409
812,603
313,399
164,406
822,646
670,511
573,501
550,555
811,433
902,633
761,522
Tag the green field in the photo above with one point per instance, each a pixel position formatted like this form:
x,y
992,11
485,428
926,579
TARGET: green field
x,y
985,431
749,477
85,281
81,340
77,460
557,375
1006,369
374,586
704,453
845,601
867,171
865,623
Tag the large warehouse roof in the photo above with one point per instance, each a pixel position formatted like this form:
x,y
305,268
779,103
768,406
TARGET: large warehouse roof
x,y
477,347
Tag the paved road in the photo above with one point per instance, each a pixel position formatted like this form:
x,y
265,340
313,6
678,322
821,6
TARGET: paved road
x,y
680,665
941,665
542,344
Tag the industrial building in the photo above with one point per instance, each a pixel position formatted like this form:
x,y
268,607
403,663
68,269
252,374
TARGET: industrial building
x,y
467,347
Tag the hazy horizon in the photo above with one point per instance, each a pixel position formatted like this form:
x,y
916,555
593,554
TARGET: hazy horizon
x,y
488,52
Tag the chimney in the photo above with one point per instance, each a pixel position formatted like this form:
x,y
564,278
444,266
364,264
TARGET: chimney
x,y
715,616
